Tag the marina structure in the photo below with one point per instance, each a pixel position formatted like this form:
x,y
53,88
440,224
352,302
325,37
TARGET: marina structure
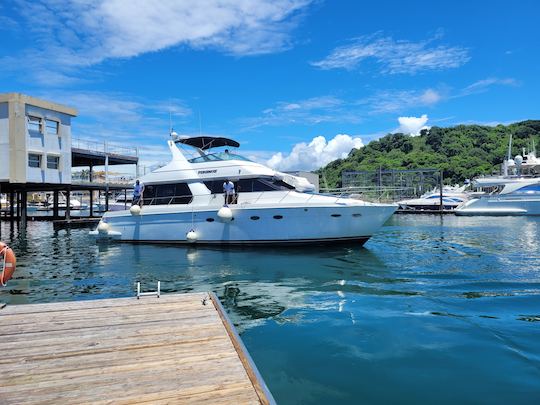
x,y
183,202
156,349
37,154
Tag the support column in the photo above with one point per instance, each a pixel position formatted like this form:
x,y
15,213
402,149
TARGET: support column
x,y
11,205
90,173
441,190
23,205
55,204
68,205
91,203
18,205
106,179
125,199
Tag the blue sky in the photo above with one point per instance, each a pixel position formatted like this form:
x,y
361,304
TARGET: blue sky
x,y
297,82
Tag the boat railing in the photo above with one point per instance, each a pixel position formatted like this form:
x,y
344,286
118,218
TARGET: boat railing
x,y
244,198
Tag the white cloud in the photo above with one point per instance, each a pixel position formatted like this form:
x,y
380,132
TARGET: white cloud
x,y
412,125
69,35
309,111
483,85
318,153
388,101
395,56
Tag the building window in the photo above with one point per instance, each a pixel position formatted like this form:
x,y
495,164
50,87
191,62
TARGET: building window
x,y
34,124
52,127
34,160
53,162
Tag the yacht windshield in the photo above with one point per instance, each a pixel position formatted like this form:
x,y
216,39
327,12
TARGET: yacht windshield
x,y
218,156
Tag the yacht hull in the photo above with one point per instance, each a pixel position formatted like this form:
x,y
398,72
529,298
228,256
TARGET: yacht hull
x,y
500,206
249,226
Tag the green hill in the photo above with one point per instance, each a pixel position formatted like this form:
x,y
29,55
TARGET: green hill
x,y
462,151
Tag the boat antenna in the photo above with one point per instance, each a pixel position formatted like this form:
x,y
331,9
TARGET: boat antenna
x,y
200,123
170,121
510,148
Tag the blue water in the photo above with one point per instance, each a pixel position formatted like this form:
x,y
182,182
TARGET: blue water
x,y
432,310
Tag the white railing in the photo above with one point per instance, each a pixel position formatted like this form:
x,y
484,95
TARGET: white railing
x,y
104,147
99,178
244,198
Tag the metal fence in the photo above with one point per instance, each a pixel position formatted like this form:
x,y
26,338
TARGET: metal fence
x,y
388,185
104,147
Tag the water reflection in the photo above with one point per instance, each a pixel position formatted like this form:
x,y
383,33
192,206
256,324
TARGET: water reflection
x,y
452,295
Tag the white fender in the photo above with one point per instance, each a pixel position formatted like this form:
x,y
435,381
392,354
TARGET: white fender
x,y
135,210
192,236
225,214
103,228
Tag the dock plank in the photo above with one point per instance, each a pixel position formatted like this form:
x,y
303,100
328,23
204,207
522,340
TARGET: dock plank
x,y
171,349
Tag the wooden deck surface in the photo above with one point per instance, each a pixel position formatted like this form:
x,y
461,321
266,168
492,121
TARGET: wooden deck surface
x,y
171,349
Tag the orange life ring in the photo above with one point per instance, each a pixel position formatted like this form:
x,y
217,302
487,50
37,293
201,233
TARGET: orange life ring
x,y
8,263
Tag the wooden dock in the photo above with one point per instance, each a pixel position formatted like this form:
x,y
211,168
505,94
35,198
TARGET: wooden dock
x,y
178,348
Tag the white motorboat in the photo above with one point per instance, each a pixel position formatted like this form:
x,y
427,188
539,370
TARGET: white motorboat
x,y
452,197
508,196
74,204
183,202
516,192
121,202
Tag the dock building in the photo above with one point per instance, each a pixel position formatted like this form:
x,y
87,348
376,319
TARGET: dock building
x,y
37,154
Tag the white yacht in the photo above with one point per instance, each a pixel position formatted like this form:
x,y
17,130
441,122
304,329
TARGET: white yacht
x,y
120,202
452,197
507,196
516,192
74,204
183,202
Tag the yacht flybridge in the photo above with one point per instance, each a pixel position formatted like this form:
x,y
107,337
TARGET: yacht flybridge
x,y
183,202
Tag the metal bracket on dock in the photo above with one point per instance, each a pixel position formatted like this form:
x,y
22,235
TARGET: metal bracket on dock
x,y
142,294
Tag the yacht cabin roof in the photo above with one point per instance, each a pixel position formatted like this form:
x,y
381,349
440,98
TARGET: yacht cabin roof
x,y
207,142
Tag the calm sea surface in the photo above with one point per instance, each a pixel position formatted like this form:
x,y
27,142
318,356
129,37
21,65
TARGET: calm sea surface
x,y
437,310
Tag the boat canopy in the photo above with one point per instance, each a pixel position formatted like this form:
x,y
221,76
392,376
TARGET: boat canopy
x,y
207,142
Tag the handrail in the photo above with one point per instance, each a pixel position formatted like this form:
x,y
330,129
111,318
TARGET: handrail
x,y
254,197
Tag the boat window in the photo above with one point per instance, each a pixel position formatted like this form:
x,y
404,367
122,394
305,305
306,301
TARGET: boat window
x,y
211,157
231,156
161,194
278,216
530,189
249,185
255,217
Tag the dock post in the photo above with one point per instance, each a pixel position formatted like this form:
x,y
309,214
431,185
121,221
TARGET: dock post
x,y
106,179
68,204
441,191
23,204
11,205
91,203
18,196
55,204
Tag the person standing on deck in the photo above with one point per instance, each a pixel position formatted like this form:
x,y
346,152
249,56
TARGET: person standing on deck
x,y
228,190
138,190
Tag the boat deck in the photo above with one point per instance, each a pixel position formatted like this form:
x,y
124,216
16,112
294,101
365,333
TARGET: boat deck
x,y
179,348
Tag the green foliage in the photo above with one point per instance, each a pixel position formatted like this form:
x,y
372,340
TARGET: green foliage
x,y
462,152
